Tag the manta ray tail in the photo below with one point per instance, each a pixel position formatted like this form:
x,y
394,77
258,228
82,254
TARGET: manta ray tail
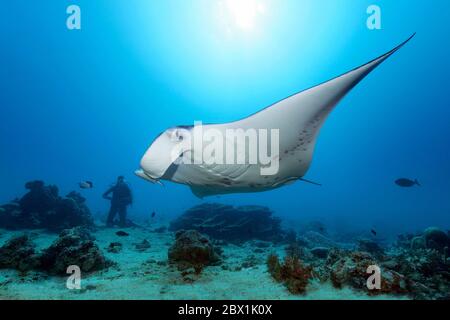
x,y
311,182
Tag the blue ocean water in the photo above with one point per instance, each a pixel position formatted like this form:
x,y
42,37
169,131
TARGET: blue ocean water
x,y
86,104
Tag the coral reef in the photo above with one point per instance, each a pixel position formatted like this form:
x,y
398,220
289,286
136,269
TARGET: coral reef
x,y
42,208
233,224
320,252
295,249
350,268
313,239
73,247
427,271
192,250
417,266
436,239
70,212
19,253
292,273
370,246
39,199
311,245
404,241
418,243
431,238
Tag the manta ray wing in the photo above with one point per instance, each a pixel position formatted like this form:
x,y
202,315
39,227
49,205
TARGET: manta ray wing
x,y
300,116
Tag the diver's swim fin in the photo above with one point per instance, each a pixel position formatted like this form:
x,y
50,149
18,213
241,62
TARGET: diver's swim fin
x,y
311,182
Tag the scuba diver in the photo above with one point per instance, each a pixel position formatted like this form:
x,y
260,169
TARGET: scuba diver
x,y
121,198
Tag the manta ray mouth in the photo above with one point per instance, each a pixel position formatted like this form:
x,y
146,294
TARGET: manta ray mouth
x,y
144,175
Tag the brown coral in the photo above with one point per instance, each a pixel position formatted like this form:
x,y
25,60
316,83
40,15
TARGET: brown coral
x,y
292,273
274,267
192,250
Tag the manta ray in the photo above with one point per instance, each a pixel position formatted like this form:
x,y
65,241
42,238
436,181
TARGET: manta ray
x,y
298,118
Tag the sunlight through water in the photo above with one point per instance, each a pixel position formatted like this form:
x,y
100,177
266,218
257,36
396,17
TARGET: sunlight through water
x,y
243,15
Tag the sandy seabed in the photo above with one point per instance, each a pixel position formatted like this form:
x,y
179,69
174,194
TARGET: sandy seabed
x,y
146,275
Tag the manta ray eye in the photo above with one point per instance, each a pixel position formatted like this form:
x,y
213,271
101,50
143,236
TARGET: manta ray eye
x,y
177,136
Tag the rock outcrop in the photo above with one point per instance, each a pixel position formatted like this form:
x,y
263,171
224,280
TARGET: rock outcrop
x,y
436,239
42,208
351,268
19,253
417,266
431,238
192,250
73,247
370,246
320,252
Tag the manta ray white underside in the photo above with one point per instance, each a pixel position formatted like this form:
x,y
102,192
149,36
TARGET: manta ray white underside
x,y
298,119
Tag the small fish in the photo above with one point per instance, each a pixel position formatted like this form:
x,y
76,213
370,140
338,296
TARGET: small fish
x,y
407,183
122,233
86,185
153,214
373,232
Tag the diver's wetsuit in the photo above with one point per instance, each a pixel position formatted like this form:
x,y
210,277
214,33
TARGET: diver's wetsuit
x,y
121,198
